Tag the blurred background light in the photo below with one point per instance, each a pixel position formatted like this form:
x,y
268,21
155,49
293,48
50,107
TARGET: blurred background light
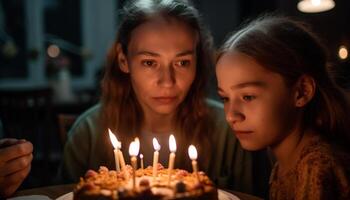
x,y
315,6
53,51
343,52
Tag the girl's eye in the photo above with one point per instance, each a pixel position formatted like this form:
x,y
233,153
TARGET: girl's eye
x,y
149,63
224,99
183,63
248,98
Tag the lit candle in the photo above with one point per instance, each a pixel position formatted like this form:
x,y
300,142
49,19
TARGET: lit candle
x,y
116,144
192,152
172,147
141,158
133,152
156,147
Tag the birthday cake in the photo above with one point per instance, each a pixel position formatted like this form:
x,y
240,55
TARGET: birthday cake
x,y
110,185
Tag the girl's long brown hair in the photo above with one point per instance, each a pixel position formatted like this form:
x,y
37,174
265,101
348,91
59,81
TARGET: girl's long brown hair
x,y
289,48
121,111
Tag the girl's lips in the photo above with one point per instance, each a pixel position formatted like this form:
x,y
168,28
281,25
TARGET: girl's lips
x,y
165,100
239,132
242,135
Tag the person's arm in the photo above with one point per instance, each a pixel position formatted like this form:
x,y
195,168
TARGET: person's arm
x,y
15,163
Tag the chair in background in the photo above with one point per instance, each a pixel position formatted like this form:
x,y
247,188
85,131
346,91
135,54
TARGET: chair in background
x,y
65,122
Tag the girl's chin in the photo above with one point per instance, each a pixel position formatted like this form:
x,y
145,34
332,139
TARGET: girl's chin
x,y
252,147
165,110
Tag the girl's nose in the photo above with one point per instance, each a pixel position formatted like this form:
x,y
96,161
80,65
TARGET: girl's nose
x,y
167,77
233,115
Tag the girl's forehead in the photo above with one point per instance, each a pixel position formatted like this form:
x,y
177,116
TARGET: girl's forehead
x,y
238,66
232,58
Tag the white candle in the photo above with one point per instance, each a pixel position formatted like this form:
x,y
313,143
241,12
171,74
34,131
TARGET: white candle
x,y
141,158
134,149
192,152
116,144
156,147
121,159
172,147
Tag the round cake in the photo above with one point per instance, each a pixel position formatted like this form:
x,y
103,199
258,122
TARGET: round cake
x,y
109,184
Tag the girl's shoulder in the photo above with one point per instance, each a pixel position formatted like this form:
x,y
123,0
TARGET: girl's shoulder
x,y
324,167
318,153
91,113
87,122
320,173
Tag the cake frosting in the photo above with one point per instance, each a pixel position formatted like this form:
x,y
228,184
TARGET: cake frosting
x,y
110,184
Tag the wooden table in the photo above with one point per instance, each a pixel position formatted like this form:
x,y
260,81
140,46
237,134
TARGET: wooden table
x,y
59,190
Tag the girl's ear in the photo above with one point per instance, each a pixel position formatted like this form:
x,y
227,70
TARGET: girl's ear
x,y
122,61
305,90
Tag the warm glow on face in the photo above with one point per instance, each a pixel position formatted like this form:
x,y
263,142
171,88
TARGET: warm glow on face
x,y
156,145
343,52
172,143
116,144
134,148
192,152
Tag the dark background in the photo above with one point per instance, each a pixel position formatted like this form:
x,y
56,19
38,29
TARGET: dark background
x,y
63,19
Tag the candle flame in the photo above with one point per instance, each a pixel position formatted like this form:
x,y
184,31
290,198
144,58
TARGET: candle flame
x,y
134,147
141,155
315,2
115,142
172,143
192,152
156,145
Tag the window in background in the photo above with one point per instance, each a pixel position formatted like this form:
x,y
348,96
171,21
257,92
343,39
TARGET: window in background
x,y
13,53
62,22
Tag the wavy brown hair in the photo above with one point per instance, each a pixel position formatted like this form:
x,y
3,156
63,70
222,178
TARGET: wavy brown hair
x,y
289,48
121,110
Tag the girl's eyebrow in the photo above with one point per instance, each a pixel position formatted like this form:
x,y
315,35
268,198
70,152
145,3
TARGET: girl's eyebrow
x,y
260,84
185,53
150,53
147,53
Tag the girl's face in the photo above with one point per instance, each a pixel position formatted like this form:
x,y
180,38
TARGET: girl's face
x,y
161,61
258,105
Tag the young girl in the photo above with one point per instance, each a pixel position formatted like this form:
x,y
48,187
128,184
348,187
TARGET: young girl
x,y
277,93
154,86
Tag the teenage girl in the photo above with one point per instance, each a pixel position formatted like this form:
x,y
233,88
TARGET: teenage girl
x,y
278,93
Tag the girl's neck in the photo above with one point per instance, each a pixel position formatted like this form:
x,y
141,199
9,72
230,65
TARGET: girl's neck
x,y
159,124
288,150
